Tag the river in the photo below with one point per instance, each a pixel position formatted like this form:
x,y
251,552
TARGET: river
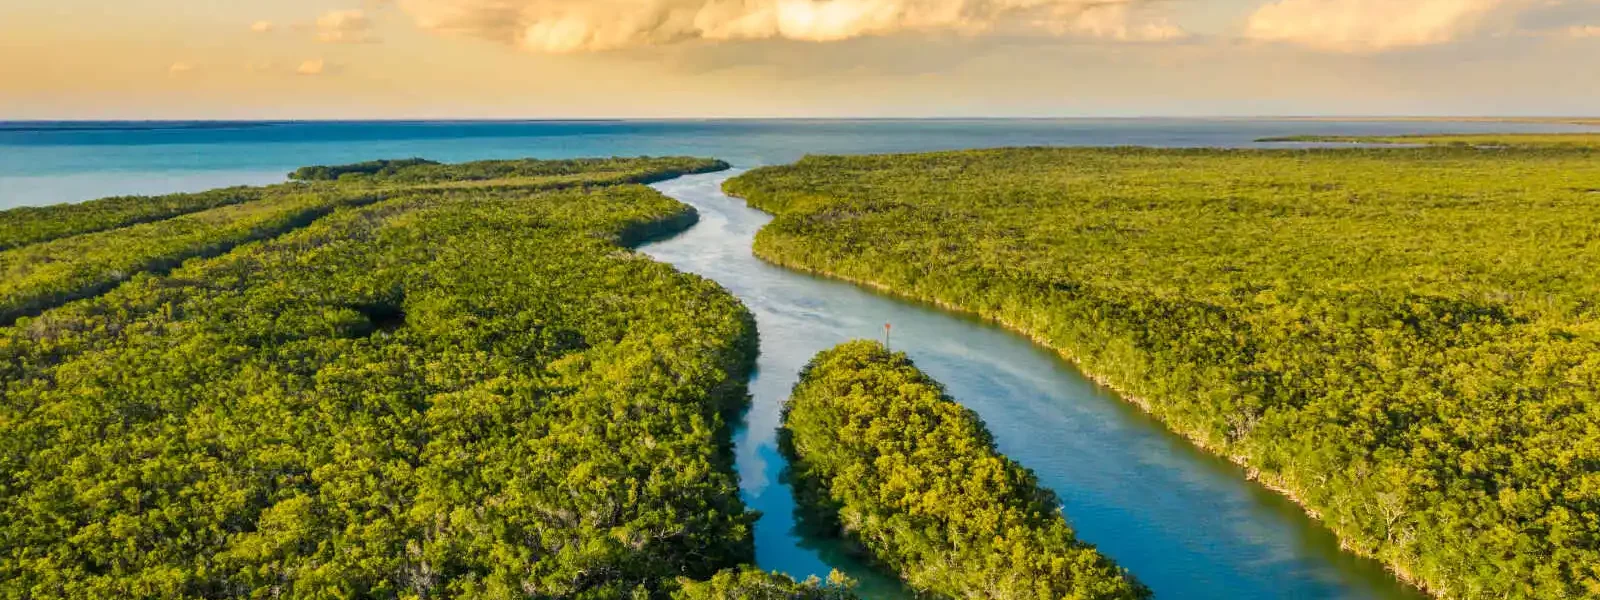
x,y
1188,524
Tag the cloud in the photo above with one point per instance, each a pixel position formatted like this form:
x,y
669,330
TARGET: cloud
x,y
180,68
566,26
1371,25
344,26
1116,21
1583,31
261,26
315,66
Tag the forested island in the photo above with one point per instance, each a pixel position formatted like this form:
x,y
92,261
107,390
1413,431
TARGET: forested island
x,y
387,380
880,455
1404,340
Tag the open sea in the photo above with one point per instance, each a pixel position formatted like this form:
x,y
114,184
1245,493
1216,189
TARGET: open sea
x,y
53,162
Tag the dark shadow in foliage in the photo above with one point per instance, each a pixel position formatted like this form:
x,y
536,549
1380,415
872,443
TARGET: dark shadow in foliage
x,y
384,316
640,234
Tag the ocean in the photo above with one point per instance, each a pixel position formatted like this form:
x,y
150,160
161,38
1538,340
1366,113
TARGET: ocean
x,y
52,162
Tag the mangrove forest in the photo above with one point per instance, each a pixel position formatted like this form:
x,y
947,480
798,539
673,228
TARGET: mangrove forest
x,y
1404,340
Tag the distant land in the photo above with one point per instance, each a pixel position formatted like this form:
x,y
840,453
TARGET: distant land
x,y
25,125
1532,140
1595,121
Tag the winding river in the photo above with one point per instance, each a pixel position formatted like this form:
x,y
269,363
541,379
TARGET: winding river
x,y
1187,524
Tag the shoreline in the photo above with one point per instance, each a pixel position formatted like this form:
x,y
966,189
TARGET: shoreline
x,y
1251,473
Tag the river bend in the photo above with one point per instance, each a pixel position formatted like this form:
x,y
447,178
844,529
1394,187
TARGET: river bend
x,y
1188,524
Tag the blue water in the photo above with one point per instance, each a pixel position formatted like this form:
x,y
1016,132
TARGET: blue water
x,y
1186,523
47,163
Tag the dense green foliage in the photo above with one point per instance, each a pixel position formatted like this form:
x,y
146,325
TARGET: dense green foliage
x,y
444,393
1588,140
380,168
67,266
752,584
879,453
39,276
1407,340
594,171
31,225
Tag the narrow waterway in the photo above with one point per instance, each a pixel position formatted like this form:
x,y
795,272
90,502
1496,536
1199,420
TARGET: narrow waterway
x,y
1188,524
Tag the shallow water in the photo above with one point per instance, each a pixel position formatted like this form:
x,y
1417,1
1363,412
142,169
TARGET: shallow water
x,y
1187,524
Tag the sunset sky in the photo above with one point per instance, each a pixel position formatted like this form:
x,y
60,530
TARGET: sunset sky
x,y
706,58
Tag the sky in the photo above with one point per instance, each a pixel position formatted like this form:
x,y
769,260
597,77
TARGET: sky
x,y
314,59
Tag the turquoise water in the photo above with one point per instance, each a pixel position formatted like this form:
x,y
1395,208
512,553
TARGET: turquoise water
x,y
47,163
1186,523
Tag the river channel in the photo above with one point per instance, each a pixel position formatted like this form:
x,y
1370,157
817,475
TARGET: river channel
x,y
1186,523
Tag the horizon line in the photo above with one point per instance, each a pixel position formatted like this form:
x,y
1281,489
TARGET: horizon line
x,y
1571,119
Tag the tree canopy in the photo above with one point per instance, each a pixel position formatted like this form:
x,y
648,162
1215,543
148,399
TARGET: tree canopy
x,y
880,455
435,392
1404,339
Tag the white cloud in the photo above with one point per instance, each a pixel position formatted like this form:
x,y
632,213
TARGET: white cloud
x,y
562,26
1370,25
315,66
261,26
344,26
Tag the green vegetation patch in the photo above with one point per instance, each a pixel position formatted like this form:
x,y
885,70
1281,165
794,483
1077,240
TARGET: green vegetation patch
x,y
444,393
1480,140
754,584
371,168
73,251
1407,340
40,276
881,455
31,224
599,171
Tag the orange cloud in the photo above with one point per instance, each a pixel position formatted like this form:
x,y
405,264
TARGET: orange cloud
x,y
1584,31
566,26
261,26
344,26
1370,25
1116,21
315,66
